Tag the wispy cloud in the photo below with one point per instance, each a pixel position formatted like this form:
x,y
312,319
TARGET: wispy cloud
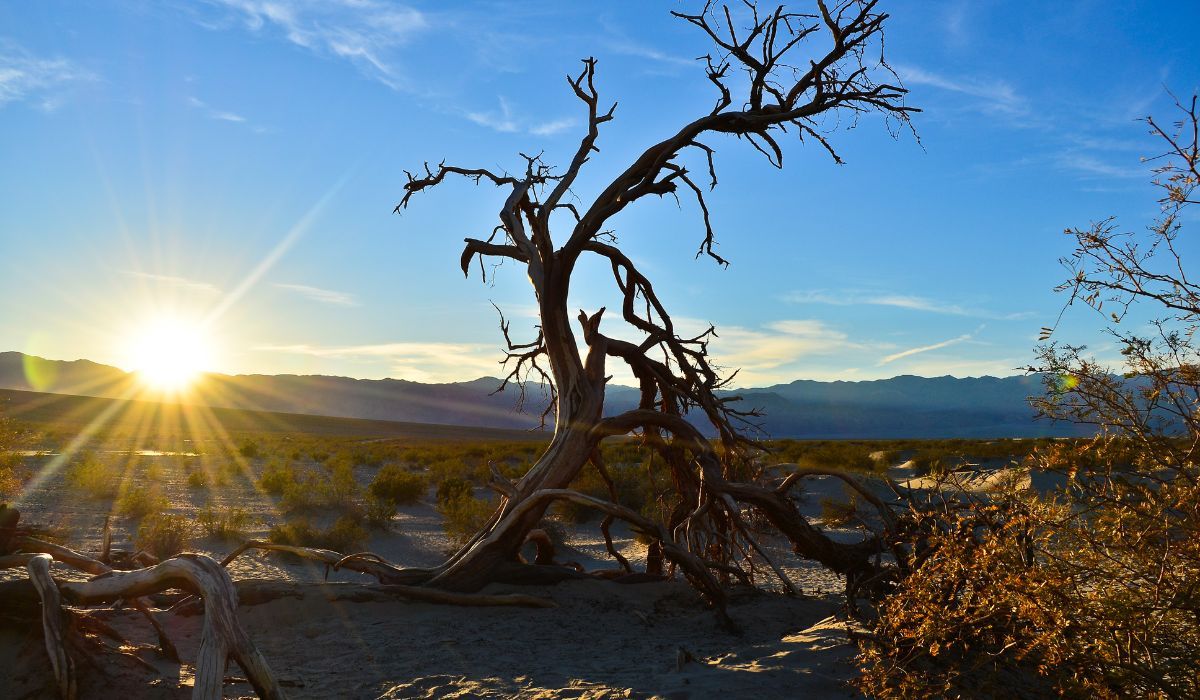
x,y
888,359
26,77
629,47
364,32
775,351
1088,164
325,296
425,362
902,301
175,282
993,96
217,114
506,121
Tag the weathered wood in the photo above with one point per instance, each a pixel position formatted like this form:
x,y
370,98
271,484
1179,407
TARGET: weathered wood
x,y
54,631
380,569
222,635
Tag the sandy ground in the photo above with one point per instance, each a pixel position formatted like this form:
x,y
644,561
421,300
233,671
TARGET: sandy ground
x,y
603,640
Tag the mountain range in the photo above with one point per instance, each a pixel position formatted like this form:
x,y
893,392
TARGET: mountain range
x,y
900,407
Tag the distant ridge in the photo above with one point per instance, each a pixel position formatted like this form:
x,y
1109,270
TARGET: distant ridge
x,y
901,407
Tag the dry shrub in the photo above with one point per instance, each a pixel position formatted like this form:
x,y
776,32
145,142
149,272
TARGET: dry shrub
x,y
379,512
464,515
1094,591
164,535
12,474
96,477
224,524
346,535
139,502
1085,595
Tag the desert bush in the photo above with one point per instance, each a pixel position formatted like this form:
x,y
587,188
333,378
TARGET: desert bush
x,y
139,502
928,463
464,515
224,524
249,449
453,489
163,535
96,477
837,512
12,473
346,535
636,487
379,512
276,477
398,485
197,479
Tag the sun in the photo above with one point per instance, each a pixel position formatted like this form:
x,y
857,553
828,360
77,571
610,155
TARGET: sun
x,y
169,354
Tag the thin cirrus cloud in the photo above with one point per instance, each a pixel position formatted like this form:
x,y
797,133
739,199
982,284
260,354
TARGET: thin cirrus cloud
x,y
504,120
175,282
900,301
364,32
324,296
218,114
416,361
43,81
888,359
991,96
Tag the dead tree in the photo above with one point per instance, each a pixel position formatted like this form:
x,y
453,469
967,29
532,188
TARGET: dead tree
x,y
777,74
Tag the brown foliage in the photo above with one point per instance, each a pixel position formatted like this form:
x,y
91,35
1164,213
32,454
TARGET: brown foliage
x,y
1095,590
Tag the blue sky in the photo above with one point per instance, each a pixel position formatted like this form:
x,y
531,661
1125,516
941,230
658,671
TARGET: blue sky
x,y
238,161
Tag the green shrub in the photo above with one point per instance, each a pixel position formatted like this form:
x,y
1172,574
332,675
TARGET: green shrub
x,y
96,477
249,449
379,512
297,532
277,477
453,489
346,535
197,479
139,502
398,485
163,535
464,516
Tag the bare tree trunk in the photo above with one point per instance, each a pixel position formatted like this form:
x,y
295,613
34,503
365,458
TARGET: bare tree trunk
x,y
799,68
580,402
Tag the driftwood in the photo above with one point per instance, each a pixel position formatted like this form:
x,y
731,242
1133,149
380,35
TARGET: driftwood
x,y
222,637
374,565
